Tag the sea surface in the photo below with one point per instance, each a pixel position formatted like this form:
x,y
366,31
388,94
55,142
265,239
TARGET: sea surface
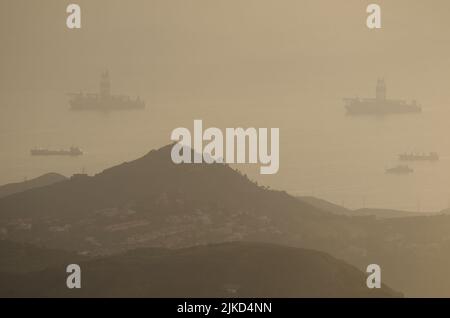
x,y
323,152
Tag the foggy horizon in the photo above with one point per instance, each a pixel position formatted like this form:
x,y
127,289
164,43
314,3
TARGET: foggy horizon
x,y
287,68
353,118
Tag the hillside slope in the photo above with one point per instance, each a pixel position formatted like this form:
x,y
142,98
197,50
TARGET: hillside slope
x,y
41,181
151,202
222,270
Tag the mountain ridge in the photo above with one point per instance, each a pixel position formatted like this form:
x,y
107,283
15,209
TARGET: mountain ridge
x,y
238,269
151,202
41,181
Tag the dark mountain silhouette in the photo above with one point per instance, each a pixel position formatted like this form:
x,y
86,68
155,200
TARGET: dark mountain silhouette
x,y
222,270
46,179
389,213
19,258
326,205
151,202
379,213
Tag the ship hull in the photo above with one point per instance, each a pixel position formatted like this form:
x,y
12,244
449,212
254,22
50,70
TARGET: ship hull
x,y
380,108
417,158
53,153
105,104
399,170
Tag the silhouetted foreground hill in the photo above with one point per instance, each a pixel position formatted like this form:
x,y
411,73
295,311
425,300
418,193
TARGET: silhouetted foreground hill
x,y
44,180
151,202
23,258
223,270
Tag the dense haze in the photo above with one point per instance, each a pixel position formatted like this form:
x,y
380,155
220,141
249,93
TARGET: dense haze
x,y
285,64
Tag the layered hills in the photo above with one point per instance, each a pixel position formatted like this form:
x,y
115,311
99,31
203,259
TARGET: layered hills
x,y
151,202
220,270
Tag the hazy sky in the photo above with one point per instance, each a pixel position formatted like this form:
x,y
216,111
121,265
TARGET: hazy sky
x,y
224,44
233,63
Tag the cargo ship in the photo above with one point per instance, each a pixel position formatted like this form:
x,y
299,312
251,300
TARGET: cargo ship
x,y
72,151
380,105
104,100
432,156
400,169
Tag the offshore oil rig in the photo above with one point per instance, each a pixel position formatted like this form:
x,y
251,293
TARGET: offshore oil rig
x,y
432,156
104,101
380,105
72,152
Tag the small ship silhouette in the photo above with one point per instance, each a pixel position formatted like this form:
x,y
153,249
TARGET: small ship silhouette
x,y
379,105
73,151
432,156
104,101
400,169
